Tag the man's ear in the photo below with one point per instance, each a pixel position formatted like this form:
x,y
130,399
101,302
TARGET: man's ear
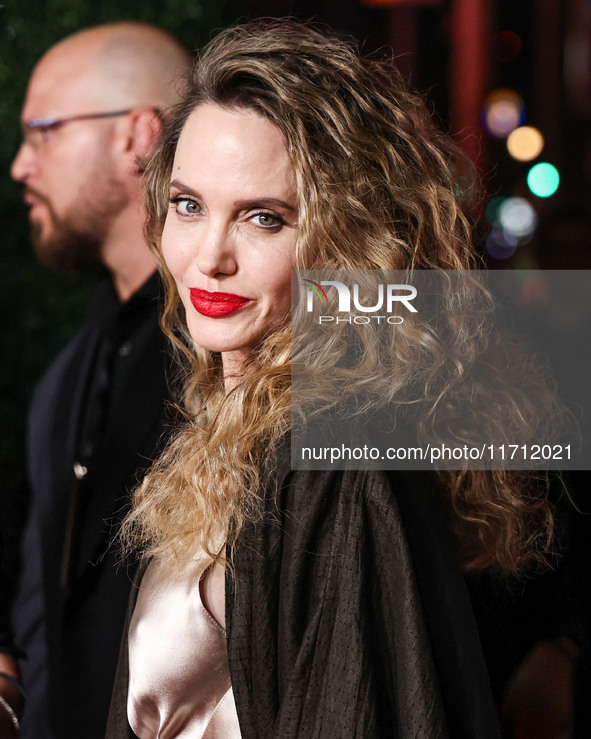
x,y
143,130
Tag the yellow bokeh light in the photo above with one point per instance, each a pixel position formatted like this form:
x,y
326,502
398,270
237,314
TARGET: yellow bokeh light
x,y
525,143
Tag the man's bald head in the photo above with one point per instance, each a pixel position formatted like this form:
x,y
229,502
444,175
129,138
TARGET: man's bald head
x,y
119,65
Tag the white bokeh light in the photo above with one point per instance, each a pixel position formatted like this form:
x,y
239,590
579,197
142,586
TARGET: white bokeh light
x,y
517,217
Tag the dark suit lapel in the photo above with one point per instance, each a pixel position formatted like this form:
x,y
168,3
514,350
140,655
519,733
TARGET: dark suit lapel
x,y
133,433
54,419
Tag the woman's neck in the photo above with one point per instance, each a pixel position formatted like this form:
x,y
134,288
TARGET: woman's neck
x,y
233,364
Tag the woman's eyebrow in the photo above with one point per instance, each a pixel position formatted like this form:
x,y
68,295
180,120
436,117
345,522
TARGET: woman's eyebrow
x,y
264,203
178,185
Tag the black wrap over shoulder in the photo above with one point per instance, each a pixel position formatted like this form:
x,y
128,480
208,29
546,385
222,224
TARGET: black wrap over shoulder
x,y
348,615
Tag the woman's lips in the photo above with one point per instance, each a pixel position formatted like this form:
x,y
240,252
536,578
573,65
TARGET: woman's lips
x,y
216,305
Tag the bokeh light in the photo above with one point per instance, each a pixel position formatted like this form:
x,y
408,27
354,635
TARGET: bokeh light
x,y
503,111
517,217
492,211
525,143
535,291
543,179
506,45
500,244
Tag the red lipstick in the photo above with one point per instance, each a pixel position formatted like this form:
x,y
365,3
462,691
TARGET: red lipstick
x,y
216,305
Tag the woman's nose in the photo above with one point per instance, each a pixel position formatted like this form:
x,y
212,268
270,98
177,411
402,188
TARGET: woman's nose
x,y
216,252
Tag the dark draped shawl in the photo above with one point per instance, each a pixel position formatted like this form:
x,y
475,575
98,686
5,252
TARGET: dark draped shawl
x,y
348,616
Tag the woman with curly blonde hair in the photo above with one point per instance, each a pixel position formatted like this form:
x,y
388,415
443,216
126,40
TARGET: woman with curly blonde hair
x,y
280,603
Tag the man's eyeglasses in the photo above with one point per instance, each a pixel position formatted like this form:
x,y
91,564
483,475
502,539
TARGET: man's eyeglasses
x,y
36,130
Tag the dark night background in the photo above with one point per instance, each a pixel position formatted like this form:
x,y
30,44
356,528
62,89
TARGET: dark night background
x,y
450,50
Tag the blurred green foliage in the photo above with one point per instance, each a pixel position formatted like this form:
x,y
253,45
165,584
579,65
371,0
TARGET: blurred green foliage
x,y
39,310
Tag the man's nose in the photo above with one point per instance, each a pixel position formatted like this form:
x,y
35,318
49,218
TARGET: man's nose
x,y
24,164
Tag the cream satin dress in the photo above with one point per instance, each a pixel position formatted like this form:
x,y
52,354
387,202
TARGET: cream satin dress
x,y
179,679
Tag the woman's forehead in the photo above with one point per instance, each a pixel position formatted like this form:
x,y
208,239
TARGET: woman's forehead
x,y
239,148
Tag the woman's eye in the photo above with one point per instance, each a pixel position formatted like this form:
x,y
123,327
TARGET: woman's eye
x,y
268,220
186,206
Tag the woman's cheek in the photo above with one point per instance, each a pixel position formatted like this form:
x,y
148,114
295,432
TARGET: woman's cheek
x,y
171,252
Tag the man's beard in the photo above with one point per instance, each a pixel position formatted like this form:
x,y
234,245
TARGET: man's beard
x,y
66,248
76,239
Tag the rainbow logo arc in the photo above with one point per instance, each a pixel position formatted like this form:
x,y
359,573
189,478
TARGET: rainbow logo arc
x,y
316,288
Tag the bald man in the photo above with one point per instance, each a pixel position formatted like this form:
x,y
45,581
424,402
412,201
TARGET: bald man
x,y
92,112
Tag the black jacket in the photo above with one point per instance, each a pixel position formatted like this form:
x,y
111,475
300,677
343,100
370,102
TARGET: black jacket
x,y
100,403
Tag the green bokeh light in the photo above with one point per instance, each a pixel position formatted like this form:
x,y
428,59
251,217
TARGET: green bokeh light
x,y
543,179
492,211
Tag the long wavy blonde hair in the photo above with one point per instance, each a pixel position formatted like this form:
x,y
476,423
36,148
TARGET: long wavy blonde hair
x,y
378,188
